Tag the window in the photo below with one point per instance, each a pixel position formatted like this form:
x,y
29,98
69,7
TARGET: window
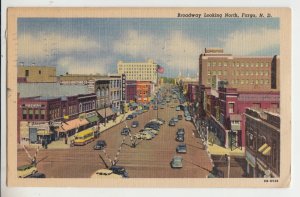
x,y
208,80
219,72
247,81
261,64
252,64
242,81
232,81
214,72
24,112
266,81
30,114
225,63
256,81
242,72
237,73
247,73
36,114
261,73
26,73
40,72
251,72
261,81
231,107
208,72
266,73
256,65
252,82
214,63
224,72
237,64
220,64
267,64
247,64
242,64
256,73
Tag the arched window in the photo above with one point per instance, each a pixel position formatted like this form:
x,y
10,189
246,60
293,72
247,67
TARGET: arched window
x,y
98,92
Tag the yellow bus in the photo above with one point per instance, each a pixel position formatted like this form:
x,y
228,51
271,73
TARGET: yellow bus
x,y
84,137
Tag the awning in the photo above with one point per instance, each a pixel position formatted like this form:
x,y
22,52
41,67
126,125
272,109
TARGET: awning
x,y
108,112
72,124
267,151
263,147
93,119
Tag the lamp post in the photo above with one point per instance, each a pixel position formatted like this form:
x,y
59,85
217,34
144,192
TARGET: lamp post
x,y
105,113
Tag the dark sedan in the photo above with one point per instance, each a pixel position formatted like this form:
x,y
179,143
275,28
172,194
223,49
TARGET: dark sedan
x,y
100,145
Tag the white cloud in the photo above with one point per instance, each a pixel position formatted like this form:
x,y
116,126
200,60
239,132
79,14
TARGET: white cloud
x,y
43,46
251,41
175,50
73,65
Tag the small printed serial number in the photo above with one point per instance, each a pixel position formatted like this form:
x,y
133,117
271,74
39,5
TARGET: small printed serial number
x,y
270,181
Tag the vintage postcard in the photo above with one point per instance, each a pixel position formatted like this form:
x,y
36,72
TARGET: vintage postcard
x,y
149,97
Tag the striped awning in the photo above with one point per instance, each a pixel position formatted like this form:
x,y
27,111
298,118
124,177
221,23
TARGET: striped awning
x,y
106,113
72,124
263,147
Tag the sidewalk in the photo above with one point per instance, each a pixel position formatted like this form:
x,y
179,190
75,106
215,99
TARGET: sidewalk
x,y
60,144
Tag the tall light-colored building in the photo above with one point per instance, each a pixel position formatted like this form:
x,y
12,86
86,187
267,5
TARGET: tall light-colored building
x,y
139,71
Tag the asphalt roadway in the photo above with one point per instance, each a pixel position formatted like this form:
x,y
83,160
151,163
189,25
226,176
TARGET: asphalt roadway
x,y
149,159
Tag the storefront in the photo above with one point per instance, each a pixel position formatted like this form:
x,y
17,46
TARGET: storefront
x,y
105,114
92,118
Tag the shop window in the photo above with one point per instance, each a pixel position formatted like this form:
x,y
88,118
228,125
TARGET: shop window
x,y
26,73
231,107
43,114
24,112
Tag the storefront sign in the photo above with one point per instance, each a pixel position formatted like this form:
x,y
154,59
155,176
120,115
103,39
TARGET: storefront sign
x,y
33,105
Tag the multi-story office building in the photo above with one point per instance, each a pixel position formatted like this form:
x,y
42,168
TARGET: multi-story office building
x,y
115,91
245,73
139,71
262,143
36,74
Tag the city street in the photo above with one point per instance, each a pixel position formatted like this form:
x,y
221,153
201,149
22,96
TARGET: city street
x,y
149,159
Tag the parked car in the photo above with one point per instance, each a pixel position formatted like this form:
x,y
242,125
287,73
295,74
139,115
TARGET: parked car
x,y
179,117
177,162
155,132
180,131
135,124
125,131
142,135
181,148
100,144
180,138
149,132
155,107
139,111
105,173
172,122
152,126
161,120
37,175
26,170
175,119
119,170
177,108
188,118
129,117
157,121
134,114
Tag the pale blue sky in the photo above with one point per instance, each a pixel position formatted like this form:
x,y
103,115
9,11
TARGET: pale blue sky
x,y
85,45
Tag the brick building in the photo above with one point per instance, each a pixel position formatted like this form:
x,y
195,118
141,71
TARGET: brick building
x,y
225,110
262,143
51,117
131,90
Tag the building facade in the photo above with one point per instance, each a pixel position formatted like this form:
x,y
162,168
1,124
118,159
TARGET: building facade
x,y
139,71
131,93
262,143
225,110
39,117
144,89
115,91
244,73
36,74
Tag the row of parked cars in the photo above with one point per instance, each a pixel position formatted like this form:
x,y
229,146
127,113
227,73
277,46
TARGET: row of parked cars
x,y
150,130
181,148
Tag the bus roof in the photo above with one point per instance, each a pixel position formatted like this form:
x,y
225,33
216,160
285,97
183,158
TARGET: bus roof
x,y
84,132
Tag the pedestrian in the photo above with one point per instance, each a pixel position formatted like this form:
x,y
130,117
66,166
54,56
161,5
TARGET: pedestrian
x,y
66,140
46,144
